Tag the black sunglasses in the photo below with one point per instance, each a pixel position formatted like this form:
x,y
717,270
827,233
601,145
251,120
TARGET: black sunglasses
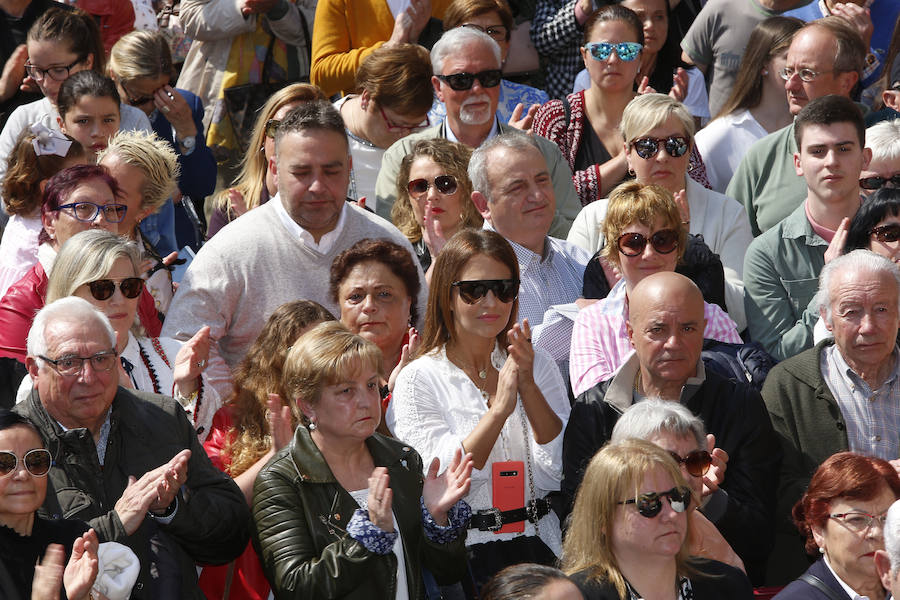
x,y
103,289
886,233
445,184
696,462
875,183
272,127
464,81
505,290
649,505
37,462
663,241
648,147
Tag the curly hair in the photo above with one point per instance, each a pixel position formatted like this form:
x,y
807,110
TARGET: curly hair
x,y
27,170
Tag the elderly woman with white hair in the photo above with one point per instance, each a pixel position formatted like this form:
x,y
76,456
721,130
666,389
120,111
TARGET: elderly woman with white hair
x,y
675,429
883,139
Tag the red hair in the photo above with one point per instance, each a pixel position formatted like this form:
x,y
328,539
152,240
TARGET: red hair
x,y
843,475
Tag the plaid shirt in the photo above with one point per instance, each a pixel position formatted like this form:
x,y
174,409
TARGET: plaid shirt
x,y
600,342
557,37
872,416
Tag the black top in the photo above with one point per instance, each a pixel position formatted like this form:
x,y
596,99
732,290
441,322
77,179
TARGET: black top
x,y
591,151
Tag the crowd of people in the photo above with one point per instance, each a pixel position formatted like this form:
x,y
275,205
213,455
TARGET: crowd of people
x,y
451,299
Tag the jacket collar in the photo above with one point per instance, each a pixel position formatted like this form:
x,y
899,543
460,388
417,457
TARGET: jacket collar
x,y
797,226
620,394
805,366
311,465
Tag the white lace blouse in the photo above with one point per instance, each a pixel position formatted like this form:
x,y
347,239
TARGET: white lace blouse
x,y
434,407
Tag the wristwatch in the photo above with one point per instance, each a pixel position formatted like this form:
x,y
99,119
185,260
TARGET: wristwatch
x,y
189,142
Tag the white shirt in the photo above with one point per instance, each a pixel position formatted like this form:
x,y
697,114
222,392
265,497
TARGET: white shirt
x,y
18,249
366,164
724,142
850,591
325,244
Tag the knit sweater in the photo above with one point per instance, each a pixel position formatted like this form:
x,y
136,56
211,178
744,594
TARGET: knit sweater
x,y
250,268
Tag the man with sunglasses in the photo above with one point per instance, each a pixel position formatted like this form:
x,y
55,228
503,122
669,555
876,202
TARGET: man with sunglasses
x,y
128,463
782,266
467,69
665,324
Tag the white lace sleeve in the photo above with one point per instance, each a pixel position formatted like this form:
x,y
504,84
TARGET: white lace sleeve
x,y
548,457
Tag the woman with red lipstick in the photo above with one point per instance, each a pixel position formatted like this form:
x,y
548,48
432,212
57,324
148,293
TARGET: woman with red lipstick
x,y
842,517
628,537
477,384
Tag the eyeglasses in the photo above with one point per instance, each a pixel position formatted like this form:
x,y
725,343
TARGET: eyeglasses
x,y
465,81
498,32
806,75
135,101
36,461
626,51
696,462
391,126
445,184
886,234
103,289
875,183
272,127
663,241
55,73
649,505
859,521
473,290
647,147
70,366
88,211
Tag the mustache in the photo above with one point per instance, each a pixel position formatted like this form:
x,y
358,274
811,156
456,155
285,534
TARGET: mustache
x,y
477,99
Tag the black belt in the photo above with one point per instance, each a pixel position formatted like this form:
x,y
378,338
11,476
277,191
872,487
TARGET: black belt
x,y
492,519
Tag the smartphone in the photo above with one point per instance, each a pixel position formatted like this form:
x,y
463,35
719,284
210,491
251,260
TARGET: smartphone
x,y
508,479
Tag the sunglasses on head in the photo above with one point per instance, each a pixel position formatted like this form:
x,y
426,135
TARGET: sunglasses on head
x,y
103,289
272,127
445,184
649,505
696,462
465,81
876,183
886,233
505,290
627,51
647,147
37,462
663,241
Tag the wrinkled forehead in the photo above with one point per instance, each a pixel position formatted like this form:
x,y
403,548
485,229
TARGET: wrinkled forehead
x,y
471,57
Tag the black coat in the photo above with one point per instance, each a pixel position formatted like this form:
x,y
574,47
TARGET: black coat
x,y
723,582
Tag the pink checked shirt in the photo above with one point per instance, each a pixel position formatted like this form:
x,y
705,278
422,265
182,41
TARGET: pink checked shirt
x,y
600,343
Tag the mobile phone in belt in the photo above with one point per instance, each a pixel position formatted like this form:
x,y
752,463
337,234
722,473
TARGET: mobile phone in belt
x,y
508,481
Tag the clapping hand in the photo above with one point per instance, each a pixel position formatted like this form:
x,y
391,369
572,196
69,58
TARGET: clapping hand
x,y
379,501
716,474
190,362
522,119
432,232
521,352
406,353
440,493
279,417
81,571
836,246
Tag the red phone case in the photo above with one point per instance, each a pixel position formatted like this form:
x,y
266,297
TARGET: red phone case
x,y
508,490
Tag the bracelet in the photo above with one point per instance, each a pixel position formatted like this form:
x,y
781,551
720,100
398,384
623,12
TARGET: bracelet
x,y
186,401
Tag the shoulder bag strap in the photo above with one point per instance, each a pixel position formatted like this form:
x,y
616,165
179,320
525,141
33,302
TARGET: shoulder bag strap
x,y
821,586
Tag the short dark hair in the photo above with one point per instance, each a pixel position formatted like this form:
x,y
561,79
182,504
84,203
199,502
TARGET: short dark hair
x,y
876,208
394,256
315,114
9,419
74,27
520,581
85,83
828,110
615,12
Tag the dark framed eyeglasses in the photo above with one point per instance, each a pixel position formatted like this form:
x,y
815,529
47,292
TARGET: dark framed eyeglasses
x,y
70,366
103,289
875,183
473,290
626,51
445,184
87,211
886,234
697,462
647,147
58,73
663,241
859,521
272,127
650,504
497,32
465,81
36,461
391,126
140,101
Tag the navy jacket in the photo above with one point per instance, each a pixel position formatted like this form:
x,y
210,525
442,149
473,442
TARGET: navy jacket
x,y
800,590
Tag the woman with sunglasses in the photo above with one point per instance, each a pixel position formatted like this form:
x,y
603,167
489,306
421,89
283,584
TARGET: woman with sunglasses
x,y
642,234
254,184
841,516
884,169
659,135
629,533
433,197
673,427
26,539
478,384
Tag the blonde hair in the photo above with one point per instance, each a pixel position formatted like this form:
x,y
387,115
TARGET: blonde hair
x,y
154,157
649,111
140,54
614,474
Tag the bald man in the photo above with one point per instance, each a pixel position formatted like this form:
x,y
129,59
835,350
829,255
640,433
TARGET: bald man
x,y
665,326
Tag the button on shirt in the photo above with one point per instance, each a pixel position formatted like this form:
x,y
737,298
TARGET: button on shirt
x,y
872,416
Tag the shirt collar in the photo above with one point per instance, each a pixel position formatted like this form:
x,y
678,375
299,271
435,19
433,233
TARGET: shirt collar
x,y
326,243
847,370
851,593
620,392
101,439
448,131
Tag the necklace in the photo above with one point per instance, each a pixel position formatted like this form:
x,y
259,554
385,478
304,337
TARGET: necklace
x,y
482,375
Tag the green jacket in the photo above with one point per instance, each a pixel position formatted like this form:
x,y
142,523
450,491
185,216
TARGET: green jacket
x,y
211,525
301,513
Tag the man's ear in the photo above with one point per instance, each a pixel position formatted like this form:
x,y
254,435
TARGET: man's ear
x,y
891,99
32,365
273,168
481,205
883,568
436,83
847,80
629,331
797,166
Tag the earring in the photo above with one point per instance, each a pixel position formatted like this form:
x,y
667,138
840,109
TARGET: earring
x,y
312,425
765,72
631,171
821,550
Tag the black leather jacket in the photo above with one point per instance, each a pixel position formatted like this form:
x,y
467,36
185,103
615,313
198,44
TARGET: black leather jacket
x,y
301,512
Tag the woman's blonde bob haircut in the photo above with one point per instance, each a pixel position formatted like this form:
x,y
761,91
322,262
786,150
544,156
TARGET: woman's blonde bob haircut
x,y
86,257
635,202
614,474
326,355
649,111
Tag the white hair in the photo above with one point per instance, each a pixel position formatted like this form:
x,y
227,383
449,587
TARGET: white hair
x,y
478,164
884,140
861,261
72,309
892,535
457,40
653,416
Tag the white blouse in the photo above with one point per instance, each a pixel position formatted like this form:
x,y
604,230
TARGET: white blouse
x,y
435,406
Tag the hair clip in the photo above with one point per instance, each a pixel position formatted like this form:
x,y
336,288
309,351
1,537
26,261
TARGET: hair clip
x,y
47,141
